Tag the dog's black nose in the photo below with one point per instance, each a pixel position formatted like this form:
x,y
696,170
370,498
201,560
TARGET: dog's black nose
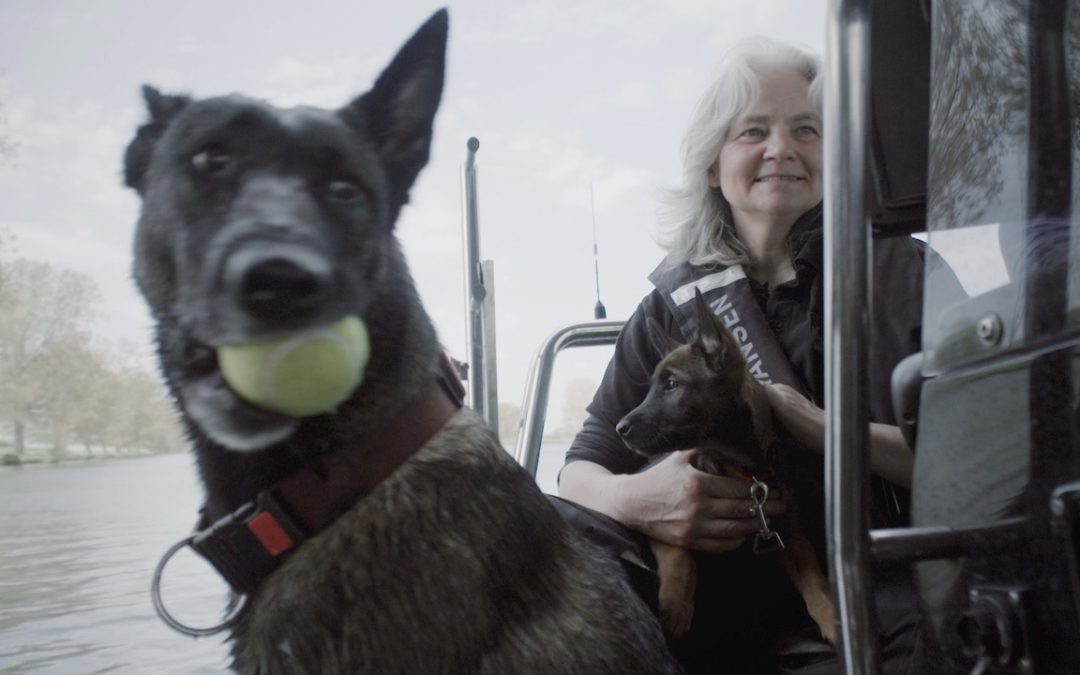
x,y
623,427
274,281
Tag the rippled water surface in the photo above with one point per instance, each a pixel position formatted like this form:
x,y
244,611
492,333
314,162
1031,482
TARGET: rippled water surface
x,y
78,547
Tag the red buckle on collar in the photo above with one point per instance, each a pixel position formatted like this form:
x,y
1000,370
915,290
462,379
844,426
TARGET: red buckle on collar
x,y
270,534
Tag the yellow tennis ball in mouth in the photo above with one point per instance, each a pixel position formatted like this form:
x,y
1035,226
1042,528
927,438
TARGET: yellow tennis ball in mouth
x,y
299,374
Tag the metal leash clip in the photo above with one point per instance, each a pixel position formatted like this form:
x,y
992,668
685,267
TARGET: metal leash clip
x,y
766,540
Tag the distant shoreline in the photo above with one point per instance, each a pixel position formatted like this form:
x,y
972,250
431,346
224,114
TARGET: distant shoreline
x,y
37,458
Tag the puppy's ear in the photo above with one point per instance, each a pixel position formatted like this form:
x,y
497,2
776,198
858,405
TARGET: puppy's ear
x,y
661,341
163,108
714,339
398,113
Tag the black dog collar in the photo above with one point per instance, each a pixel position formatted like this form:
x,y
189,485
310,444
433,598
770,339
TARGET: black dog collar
x,y
247,545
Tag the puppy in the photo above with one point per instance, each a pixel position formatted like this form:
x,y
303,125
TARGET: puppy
x,y
701,396
392,534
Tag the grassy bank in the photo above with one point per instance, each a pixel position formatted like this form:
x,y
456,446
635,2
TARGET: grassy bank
x,y
44,455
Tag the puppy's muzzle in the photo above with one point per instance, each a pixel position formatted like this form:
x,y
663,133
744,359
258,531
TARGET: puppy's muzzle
x,y
631,430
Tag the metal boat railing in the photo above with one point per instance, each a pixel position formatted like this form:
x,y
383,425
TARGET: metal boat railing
x,y
847,231
483,395
534,407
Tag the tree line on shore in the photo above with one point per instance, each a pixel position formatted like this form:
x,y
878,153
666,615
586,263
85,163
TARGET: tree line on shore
x,y
61,388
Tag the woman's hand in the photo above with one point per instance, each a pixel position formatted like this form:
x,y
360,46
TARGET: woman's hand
x,y
803,420
890,456
678,504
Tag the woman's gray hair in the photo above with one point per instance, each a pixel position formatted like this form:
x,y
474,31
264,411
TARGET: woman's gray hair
x,y
695,222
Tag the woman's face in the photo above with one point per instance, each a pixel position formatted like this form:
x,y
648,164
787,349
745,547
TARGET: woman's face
x,y
770,163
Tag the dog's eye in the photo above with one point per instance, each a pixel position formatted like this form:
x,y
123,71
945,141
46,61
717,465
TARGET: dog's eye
x,y
212,162
344,190
671,383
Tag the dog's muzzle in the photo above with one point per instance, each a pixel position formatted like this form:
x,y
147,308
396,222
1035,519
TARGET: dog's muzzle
x,y
272,280
262,283
256,280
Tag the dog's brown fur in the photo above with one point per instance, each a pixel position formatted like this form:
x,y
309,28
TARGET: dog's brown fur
x,y
256,221
701,396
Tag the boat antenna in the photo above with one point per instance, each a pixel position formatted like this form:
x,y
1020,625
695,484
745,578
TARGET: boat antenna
x,y
599,312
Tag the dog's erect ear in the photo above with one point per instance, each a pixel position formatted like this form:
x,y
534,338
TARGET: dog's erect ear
x,y
715,340
664,343
399,111
163,108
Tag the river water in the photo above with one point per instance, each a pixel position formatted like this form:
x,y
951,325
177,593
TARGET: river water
x,y
78,548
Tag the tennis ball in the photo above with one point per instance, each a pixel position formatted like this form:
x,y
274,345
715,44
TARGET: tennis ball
x,y
302,373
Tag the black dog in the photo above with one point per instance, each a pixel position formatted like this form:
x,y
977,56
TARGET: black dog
x,y
392,534
701,396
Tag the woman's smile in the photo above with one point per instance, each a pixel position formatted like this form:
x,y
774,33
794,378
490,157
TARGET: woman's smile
x,y
777,178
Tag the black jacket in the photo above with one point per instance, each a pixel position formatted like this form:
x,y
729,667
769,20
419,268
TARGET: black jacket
x,y
796,312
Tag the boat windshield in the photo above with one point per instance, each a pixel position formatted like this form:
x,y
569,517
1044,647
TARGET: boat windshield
x,y
977,217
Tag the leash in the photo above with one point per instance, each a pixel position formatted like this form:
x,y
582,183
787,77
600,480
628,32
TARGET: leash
x,y
249,544
766,540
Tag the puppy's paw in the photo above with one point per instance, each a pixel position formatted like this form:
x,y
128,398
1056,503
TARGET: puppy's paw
x,y
829,634
824,615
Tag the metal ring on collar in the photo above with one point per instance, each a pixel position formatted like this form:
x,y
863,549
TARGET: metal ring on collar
x,y
169,619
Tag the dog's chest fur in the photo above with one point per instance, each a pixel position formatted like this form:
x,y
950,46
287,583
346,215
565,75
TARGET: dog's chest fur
x,y
480,579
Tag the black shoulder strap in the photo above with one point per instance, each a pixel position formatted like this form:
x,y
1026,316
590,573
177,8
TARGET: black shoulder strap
x,y
727,291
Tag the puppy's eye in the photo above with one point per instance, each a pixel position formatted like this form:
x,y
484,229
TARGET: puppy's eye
x,y
344,190
212,162
671,383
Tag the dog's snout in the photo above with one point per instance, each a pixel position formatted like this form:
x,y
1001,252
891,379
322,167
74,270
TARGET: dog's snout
x,y
277,280
624,427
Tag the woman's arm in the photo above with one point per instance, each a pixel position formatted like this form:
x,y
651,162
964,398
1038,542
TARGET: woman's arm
x,y
672,502
890,456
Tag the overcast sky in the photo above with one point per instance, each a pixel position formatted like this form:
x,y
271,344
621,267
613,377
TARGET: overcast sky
x,y
562,95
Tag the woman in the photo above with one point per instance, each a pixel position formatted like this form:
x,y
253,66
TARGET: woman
x,y
745,229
